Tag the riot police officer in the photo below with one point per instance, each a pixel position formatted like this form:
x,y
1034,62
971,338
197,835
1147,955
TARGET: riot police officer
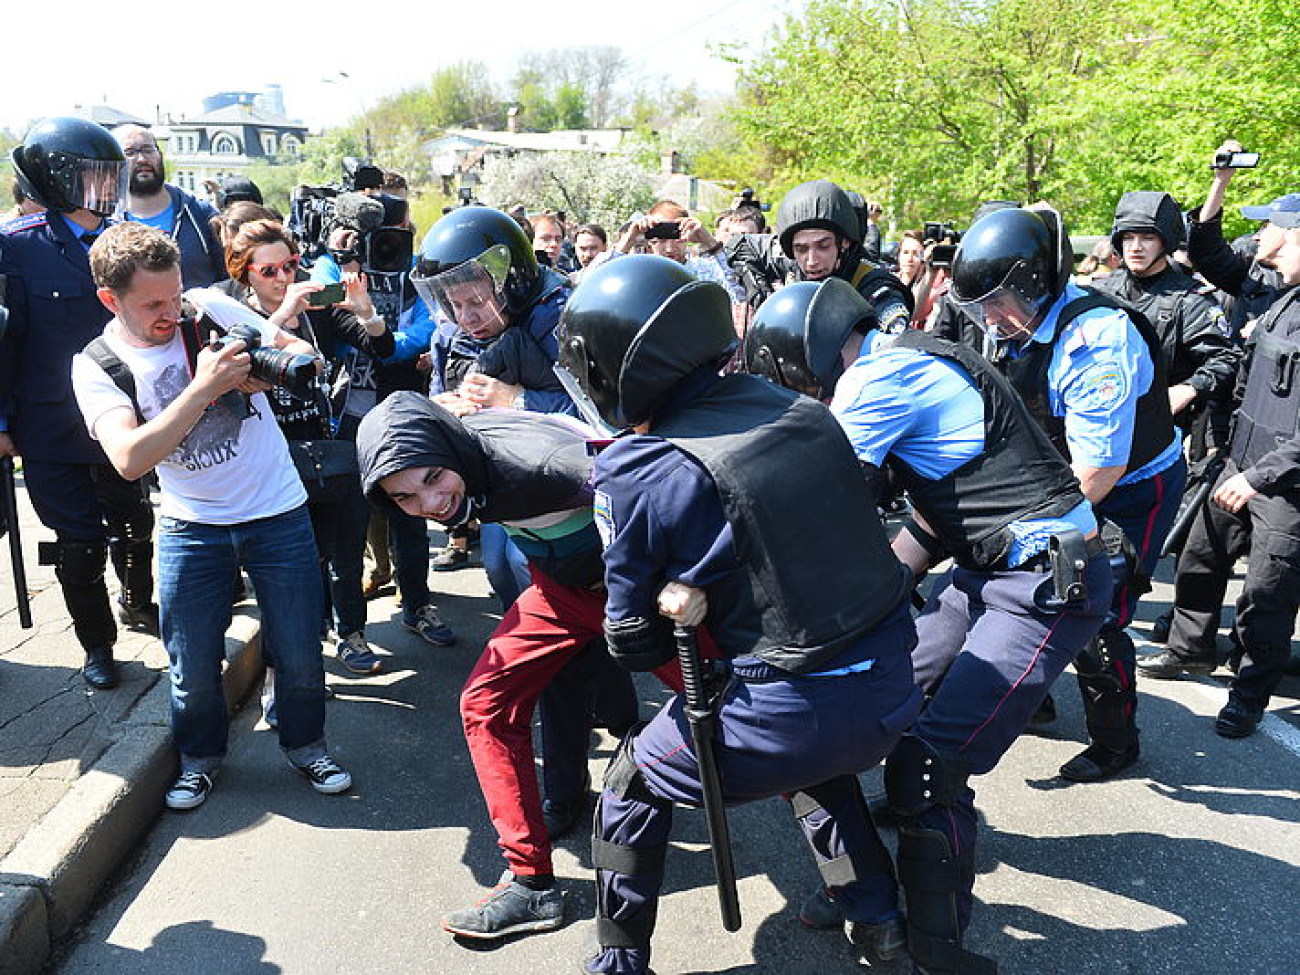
x,y
75,168
1093,377
820,235
1200,356
1030,588
703,510
1256,499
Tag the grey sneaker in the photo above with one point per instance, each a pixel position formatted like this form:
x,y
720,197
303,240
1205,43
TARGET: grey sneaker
x,y
354,653
189,791
511,908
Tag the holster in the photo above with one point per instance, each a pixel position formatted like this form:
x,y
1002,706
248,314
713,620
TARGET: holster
x,y
1070,552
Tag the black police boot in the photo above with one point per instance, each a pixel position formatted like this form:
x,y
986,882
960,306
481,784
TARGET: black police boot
x,y
100,671
1096,763
1237,720
133,563
1046,712
1168,665
932,876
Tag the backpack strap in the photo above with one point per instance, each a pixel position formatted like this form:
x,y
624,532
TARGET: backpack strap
x,y
111,363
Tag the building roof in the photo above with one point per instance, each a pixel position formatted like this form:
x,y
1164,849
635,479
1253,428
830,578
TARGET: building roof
x,y
107,115
240,115
564,140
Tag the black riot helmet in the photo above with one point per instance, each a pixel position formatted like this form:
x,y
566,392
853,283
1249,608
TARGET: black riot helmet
x,y
819,204
637,326
1008,266
71,164
1149,212
797,336
477,242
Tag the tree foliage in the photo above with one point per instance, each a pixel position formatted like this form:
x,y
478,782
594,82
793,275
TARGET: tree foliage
x,y
587,186
935,105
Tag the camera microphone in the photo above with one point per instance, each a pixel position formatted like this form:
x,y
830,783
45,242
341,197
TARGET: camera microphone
x,y
358,212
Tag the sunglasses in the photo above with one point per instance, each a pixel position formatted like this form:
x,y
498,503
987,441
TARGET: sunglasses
x,y
268,271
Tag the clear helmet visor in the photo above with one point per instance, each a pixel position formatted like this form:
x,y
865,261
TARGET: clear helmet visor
x,y
1011,309
472,294
96,185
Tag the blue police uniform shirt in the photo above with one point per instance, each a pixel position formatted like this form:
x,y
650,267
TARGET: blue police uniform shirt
x,y
1098,371
78,230
927,412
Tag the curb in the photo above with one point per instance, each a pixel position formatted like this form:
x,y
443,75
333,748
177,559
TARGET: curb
x,y
51,878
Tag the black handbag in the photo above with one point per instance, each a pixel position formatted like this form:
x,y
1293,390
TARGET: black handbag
x,y
328,468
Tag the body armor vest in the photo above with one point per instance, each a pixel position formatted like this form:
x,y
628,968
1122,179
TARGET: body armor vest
x,y
1153,428
802,597
1018,476
1270,407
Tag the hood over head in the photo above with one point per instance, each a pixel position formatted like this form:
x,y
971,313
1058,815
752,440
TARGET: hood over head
x,y
409,430
1149,212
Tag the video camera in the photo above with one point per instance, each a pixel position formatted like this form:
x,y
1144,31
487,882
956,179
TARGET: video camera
x,y
944,237
380,241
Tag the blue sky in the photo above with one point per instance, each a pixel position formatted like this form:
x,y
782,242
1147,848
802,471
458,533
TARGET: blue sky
x,y
153,60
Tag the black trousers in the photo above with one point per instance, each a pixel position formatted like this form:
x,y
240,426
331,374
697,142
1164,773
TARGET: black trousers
x,y
1267,530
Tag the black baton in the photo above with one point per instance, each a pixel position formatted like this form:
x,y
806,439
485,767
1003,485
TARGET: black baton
x,y
10,502
1192,506
703,720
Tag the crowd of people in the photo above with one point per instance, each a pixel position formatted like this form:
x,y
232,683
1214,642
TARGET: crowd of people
x,y
632,424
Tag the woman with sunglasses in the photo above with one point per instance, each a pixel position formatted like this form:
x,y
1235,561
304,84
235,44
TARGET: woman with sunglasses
x,y
263,262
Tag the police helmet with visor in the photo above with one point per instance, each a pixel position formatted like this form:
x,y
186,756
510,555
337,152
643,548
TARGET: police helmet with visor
x,y
1006,270
69,164
797,338
634,328
480,247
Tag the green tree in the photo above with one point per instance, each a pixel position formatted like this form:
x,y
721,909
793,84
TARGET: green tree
x,y
935,105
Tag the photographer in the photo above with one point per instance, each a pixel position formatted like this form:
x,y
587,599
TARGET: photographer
x,y
1253,284
263,259
230,494
668,228
371,233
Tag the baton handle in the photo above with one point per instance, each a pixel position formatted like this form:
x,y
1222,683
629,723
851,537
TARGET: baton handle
x,y
10,502
702,720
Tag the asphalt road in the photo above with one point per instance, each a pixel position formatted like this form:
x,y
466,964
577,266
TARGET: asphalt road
x,y
1188,865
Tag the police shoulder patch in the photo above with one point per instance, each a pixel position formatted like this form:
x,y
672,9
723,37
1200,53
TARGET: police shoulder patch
x,y
23,223
603,512
1102,386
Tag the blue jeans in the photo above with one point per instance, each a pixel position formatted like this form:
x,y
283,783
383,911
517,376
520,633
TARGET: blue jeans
x,y
505,565
196,571
408,541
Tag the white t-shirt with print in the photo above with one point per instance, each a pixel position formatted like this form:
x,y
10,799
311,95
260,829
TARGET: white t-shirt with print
x,y
226,471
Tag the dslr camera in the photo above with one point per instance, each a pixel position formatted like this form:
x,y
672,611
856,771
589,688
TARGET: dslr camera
x,y
295,372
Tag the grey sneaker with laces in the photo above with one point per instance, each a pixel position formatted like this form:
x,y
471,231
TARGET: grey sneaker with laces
x,y
511,908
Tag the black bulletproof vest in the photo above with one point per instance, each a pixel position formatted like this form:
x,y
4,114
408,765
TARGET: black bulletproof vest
x,y
1019,475
809,586
1270,406
1153,429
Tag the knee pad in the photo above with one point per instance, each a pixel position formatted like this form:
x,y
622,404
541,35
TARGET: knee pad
x,y
80,563
622,776
1101,653
918,777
